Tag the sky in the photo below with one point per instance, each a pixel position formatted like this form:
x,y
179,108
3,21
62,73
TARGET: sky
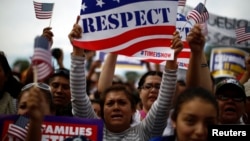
x,y
19,25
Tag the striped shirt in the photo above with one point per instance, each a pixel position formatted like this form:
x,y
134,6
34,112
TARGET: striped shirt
x,y
153,125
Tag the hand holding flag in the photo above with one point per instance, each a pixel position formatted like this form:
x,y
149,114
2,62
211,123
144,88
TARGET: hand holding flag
x,y
196,39
48,34
41,59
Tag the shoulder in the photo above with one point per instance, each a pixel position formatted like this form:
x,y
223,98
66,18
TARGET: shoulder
x,y
163,138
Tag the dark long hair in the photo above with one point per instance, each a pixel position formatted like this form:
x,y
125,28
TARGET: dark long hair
x,y
11,85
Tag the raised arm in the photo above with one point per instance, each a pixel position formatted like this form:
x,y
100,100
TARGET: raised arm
x,y
36,114
156,119
81,105
198,73
107,73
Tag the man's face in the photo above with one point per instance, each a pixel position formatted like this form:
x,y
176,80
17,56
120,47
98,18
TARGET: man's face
x,y
61,91
231,106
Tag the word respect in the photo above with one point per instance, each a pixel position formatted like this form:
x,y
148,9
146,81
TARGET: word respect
x,y
125,19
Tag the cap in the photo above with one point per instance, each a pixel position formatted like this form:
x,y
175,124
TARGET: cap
x,y
247,88
61,72
230,83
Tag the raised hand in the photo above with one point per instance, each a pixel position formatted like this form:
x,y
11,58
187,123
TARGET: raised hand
x,y
177,44
48,34
196,39
36,111
76,32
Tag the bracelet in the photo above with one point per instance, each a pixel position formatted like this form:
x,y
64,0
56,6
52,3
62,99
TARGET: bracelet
x,y
204,65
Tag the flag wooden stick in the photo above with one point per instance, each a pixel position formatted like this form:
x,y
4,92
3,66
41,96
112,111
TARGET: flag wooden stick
x,y
184,26
35,79
51,16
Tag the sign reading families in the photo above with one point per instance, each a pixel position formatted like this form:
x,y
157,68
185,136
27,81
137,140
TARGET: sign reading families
x,y
227,62
141,28
54,128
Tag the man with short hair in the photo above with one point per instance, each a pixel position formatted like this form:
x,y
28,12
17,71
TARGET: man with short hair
x,y
231,97
60,88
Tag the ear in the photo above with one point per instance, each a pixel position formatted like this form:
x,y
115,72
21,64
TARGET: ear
x,y
139,92
173,123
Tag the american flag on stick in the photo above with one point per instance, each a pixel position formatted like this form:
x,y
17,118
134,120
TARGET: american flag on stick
x,y
43,10
242,34
19,128
199,14
42,57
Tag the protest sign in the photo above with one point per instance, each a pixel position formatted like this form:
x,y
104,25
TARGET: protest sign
x,y
227,62
56,128
142,28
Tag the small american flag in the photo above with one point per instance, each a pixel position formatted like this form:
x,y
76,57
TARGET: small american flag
x,y
199,14
181,2
42,57
43,10
19,128
242,34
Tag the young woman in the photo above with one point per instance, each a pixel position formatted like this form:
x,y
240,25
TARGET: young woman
x,y
37,96
34,102
195,109
117,105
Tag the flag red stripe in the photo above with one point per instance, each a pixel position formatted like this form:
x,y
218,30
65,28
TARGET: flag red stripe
x,y
242,35
144,45
181,2
123,38
17,131
43,70
40,14
195,15
41,55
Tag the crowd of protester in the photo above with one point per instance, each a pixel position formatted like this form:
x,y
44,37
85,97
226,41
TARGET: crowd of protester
x,y
168,104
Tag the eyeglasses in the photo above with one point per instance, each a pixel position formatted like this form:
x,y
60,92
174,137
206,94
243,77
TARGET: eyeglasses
x,y
225,98
42,86
64,72
150,86
61,71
